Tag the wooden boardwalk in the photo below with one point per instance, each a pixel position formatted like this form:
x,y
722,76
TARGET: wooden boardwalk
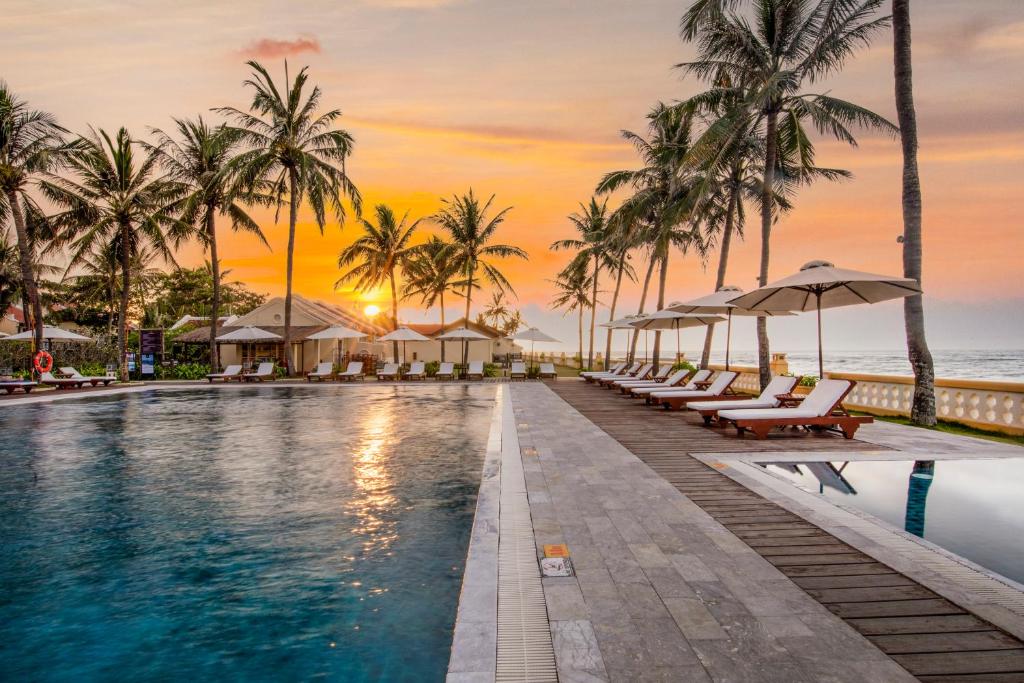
x,y
931,637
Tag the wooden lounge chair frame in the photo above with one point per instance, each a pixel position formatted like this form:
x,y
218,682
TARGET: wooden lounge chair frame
x,y
256,376
320,376
410,375
552,374
25,385
838,419
69,372
449,375
61,383
226,377
346,375
513,372
679,402
470,374
710,415
393,375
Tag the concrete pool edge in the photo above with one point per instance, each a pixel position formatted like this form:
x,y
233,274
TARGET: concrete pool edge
x,y
972,587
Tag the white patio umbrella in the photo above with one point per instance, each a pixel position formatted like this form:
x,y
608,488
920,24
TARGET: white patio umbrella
x,y
818,285
248,334
667,319
403,334
337,332
619,324
718,304
533,335
51,333
463,334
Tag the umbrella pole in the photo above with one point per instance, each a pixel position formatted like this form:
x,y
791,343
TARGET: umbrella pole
x,y
821,360
677,342
728,336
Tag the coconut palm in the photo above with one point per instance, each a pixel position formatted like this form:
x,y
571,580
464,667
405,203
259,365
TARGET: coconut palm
x,y
380,251
471,230
117,201
573,294
788,43
923,410
595,249
11,281
622,240
294,153
31,144
200,160
430,274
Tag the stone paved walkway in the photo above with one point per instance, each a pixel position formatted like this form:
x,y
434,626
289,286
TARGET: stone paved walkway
x,y
663,592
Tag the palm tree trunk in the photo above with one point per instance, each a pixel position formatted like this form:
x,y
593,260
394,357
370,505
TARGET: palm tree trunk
x,y
211,235
470,269
122,317
923,410
640,309
394,311
723,263
28,278
293,213
611,314
767,197
442,323
580,357
593,314
662,281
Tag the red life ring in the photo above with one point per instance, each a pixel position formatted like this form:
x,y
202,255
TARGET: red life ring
x,y
42,361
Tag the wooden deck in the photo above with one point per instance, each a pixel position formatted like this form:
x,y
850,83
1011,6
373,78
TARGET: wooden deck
x,y
931,637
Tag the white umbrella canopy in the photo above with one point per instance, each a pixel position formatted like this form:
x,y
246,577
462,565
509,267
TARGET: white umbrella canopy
x,y
818,285
533,335
403,334
52,333
718,303
667,319
248,334
337,332
462,334
625,323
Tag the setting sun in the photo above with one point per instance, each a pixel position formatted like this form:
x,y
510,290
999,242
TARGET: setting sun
x,y
371,310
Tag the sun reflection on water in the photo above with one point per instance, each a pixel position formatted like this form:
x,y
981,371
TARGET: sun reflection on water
x,y
373,497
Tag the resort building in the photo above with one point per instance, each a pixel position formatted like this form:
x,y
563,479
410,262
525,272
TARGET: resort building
x,y
496,347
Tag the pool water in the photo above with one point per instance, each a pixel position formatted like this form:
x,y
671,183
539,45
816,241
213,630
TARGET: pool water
x,y
263,533
970,507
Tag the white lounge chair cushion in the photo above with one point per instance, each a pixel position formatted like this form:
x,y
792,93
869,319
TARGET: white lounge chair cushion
x,y
518,369
739,404
323,369
780,384
389,369
355,367
547,369
229,371
476,367
264,370
446,369
817,404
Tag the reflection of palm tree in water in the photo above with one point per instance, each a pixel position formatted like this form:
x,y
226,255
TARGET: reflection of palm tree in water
x,y
917,495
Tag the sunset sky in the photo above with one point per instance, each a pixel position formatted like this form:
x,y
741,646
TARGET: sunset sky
x,y
526,100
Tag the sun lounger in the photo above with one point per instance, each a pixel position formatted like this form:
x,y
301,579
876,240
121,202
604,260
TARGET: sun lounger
x,y
49,380
547,371
662,374
265,372
9,385
353,371
417,370
323,371
518,369
476,369
822,409
445,371
230,372
676,399
618,367
639,374
673,380
389,371
70,372
649,392
621,372
780,384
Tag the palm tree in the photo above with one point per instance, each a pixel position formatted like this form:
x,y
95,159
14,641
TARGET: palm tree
x,y
295,153
923,410
31,144
662,200
593,250
429,274
381,250
789,43
200,161
11,281
117,201
573,285
496,311
471,231
622,239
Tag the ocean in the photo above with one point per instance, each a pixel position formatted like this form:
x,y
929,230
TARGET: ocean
x,y
1006,365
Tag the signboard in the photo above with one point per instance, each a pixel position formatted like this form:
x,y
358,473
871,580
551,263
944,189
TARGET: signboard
x,y
151,350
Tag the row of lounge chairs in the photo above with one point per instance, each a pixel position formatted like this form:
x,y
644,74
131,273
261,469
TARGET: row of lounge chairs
x,y
718,405
265,372
389,371
66,378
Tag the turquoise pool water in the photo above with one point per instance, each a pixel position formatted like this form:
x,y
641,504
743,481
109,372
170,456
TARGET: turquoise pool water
x,y
254,534
971,507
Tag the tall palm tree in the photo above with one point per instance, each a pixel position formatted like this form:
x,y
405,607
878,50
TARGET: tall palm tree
x,y
663,197
788,44
380,251
294,153
471,230
923,410
622,240
11,281
200,160
430,274
593,248
115,199
31,144
573,294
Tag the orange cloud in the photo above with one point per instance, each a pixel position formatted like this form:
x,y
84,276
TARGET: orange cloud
x,y
269,48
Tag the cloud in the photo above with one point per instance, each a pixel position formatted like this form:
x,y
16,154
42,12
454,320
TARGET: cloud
x,y
270,48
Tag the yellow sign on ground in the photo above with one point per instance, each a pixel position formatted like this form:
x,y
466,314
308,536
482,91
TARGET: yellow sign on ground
x,y
556,550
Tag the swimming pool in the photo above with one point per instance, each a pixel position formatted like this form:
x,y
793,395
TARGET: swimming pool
x,y
252,533
970,507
